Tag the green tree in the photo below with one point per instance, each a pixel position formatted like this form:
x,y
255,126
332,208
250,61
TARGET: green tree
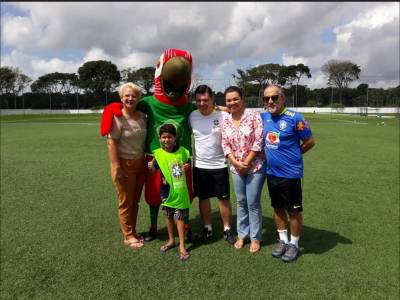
x,y
242,78
143,77
7,80
362,89
267,74
13,81
21,82
292,75
55,83
393,96
302,70
340,73
289,73
67,82
322,96
44,85
98,77
258,77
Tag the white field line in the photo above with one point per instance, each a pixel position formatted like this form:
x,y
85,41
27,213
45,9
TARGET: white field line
x,y
49,123
350,122
28,118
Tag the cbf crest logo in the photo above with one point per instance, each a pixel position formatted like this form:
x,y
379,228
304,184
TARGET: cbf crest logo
x,y
176,170
216,124
282,125
272,140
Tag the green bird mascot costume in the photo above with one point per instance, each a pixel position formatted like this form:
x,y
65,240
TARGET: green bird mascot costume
x,y
169,104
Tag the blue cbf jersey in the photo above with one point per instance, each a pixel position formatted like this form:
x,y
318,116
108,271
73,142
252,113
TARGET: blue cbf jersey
x,y
282,136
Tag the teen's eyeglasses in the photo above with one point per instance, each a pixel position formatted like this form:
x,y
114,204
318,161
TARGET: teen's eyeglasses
x,y
273,98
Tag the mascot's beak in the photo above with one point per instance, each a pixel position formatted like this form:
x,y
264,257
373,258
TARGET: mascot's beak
x,y
176,76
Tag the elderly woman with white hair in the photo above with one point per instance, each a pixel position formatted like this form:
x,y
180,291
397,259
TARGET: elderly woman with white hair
x,y
126,143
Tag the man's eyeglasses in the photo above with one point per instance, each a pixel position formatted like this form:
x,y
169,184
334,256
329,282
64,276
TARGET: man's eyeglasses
x,y
273,98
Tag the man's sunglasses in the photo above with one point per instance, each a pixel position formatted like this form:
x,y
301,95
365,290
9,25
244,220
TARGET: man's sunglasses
x,y
273,98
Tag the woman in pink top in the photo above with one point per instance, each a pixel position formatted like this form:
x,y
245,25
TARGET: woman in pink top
x,y
242,142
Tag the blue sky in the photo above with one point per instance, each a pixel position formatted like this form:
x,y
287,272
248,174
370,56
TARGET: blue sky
x,y
46,37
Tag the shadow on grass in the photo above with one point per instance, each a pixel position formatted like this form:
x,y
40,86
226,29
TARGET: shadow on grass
x,y
312,241
318,241
196,226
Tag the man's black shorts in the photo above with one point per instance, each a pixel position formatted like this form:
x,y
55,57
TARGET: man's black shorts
x,y
285,193
208,183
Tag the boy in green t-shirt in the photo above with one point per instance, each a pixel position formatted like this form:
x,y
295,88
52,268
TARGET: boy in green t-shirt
x,y
172,160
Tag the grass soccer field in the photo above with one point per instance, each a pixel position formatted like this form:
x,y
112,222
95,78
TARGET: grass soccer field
x,y
60,236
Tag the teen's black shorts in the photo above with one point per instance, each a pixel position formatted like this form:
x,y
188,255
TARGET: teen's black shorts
x,y
208,183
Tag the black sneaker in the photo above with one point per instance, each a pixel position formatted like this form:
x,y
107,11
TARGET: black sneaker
x,y
280,249
191,237
291,253
206,234
228,236
151,235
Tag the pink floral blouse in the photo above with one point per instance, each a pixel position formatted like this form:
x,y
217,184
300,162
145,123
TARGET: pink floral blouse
x,y
241,140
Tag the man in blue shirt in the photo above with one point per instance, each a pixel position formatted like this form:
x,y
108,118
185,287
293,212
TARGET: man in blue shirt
x,y
287,137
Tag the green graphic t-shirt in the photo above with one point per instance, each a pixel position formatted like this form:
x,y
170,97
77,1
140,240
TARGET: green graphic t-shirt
x,y
171,166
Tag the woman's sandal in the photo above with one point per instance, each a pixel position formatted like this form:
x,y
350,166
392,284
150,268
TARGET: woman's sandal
x,y
184,256
134,243
167,247
239,244
255,246
140,238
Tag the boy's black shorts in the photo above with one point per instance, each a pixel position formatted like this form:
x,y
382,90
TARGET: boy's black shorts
x,y
208,183
175,213
285,193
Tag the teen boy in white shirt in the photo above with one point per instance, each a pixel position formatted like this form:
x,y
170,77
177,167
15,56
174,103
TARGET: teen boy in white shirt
x,y
210,170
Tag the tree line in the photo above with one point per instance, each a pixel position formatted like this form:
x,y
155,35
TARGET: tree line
x,y
95,83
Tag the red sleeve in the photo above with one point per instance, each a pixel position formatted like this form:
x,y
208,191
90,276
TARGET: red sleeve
x,y
111,110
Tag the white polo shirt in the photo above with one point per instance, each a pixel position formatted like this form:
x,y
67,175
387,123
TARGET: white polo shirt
x,y
207,149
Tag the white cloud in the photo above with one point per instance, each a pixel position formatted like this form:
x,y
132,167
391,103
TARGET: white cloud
x,y
19,31
34,66
292,60
373,43
18,59
221,36
134,59
96,54
222,75
370,40
41,66
378,16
